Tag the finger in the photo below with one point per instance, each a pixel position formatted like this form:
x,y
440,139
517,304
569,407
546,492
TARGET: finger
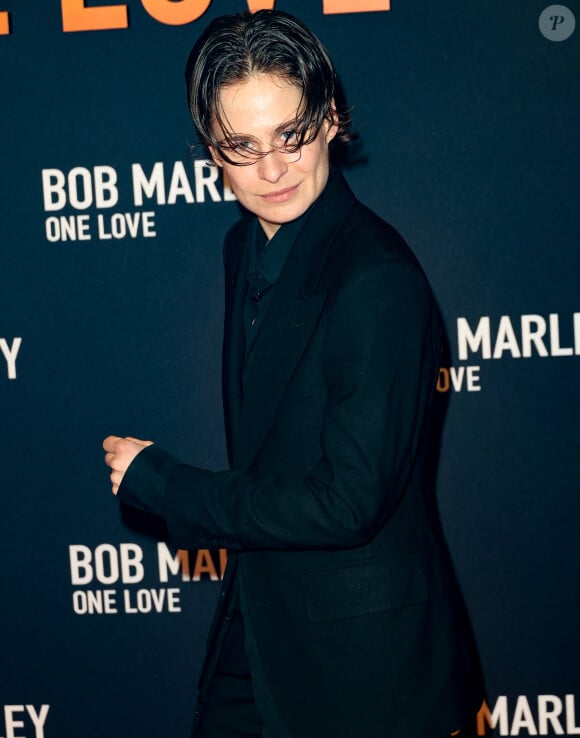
x,y
109,459
109,443
116,478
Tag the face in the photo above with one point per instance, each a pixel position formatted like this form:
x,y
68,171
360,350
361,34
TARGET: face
x,y
279,187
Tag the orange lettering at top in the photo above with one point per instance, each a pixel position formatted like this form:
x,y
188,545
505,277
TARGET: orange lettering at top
x,y
176,13
254,5
4,23
77,17
354,6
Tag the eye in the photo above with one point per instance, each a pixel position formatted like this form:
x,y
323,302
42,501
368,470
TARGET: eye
x,y
244,147
289,138
241,151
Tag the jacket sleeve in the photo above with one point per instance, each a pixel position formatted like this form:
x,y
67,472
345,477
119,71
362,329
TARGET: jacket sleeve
x,y
382,355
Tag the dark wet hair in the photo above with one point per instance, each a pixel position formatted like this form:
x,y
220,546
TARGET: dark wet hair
x,y
233,47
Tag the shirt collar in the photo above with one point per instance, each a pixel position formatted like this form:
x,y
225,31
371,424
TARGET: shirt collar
x,y
266,258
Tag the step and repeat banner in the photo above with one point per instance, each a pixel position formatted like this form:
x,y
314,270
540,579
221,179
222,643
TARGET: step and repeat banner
x,y
111,319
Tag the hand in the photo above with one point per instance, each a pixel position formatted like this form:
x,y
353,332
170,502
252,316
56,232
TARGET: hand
x,y
120,452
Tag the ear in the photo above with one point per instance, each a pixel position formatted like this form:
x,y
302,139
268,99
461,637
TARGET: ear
x,y
215,155
332,129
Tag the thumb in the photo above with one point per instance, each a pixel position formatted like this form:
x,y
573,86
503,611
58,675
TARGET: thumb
x,y
138,441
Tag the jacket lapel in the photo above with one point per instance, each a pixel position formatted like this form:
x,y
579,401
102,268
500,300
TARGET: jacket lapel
x,y
235,261
292,317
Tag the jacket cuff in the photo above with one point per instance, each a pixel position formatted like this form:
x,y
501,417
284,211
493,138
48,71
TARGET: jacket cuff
x,y
144,482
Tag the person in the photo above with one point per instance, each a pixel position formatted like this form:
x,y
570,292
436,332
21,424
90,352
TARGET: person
x,y
339,615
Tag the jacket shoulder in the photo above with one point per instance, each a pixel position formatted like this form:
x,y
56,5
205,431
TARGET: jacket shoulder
x,y
376,238
367,243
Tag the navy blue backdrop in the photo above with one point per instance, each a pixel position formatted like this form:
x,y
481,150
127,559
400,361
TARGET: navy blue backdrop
x,y
111,313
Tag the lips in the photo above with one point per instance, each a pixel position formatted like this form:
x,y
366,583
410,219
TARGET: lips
x,y
280,195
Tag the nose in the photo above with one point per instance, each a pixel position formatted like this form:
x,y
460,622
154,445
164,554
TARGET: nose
x,y
273,166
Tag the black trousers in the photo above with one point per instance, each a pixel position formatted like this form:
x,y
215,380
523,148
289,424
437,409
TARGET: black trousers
x,y
228,709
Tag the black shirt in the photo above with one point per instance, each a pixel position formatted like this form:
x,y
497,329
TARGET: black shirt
x,y
265,263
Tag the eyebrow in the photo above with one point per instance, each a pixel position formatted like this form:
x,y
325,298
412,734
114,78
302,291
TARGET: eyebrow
x,y
293,123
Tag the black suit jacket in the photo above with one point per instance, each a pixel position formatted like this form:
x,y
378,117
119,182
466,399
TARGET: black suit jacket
x,y
327,510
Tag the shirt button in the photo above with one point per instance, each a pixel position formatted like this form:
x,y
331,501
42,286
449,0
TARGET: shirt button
x,y
227,619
